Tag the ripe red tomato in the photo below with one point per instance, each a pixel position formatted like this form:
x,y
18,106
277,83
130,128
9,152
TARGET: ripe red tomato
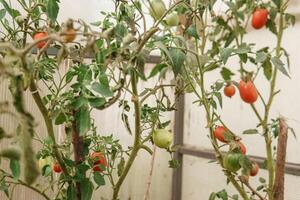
x,y
219,133
231,161
259,18
242,148
255,168
248,91
38,36
56,168
98,159
70,35
229,90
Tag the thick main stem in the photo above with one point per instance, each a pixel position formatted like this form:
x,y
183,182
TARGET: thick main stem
x,y
78,146
136,144
38,100
267,134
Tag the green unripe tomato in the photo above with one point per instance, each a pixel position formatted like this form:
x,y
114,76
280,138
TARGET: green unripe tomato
x,y
172,19
162,138
157,9
231,161
44,162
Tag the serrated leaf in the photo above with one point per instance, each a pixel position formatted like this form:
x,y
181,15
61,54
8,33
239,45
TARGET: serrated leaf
x,y
226,74
2,13
99,179
157,69
71,192
97,102
178,58
102,89
261,57
87,188
267,66
83,120
52,9
225,54
280,66
192,31
242,49
14,166
223,195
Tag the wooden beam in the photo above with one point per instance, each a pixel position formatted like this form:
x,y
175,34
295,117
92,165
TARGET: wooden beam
x,y
178,140
290,168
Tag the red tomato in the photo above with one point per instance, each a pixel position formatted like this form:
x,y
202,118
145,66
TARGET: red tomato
x,y
98,159
255,168
229,90
242,148
219,133
248,91
38,36
259,18
56,168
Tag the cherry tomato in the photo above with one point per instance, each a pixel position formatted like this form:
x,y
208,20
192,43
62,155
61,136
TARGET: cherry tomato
x,y
56,168
172,19
38,36
255,168
70,35
248,91
231,161
98,159
162,138
219,133
259,18
229,90
157,9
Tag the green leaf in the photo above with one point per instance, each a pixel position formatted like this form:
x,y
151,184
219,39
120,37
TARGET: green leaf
x,y
250,132
102,89
211,67
280,66
261,57
242,49
178,58
157,69
2,13
260,188
121,166
223,195
235,197
83,120
99,179
226,74
52,9
267,66
71,192
192,31
12,12
219,97
14,166
86,187
212,196
225,54
97,102
60,119
262,180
